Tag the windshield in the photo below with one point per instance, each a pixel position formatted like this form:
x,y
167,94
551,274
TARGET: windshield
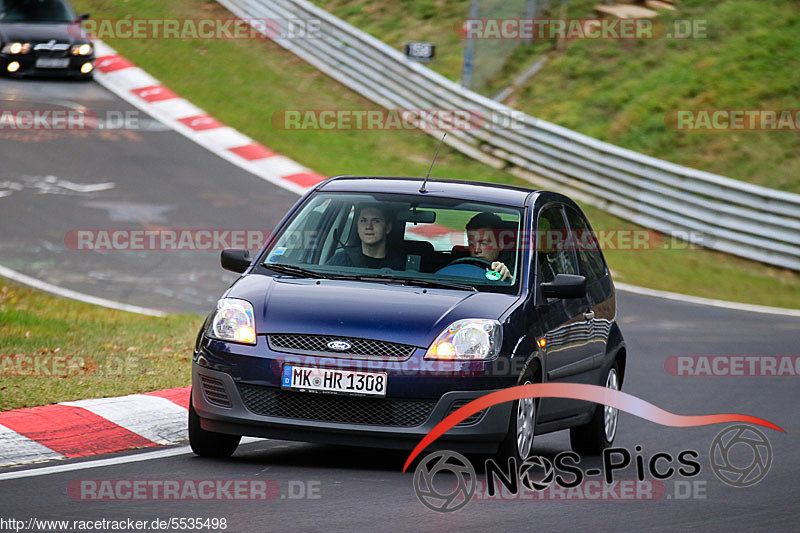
x,y
35,11
394,238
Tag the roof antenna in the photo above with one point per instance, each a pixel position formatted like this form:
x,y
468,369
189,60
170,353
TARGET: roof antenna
x,y
422,189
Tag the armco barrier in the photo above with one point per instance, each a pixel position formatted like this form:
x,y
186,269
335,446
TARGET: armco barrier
x,y
716,212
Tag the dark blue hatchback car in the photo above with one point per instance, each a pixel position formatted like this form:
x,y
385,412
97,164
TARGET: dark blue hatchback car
x,y
381,305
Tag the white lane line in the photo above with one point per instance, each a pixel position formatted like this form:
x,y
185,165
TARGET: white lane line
x,y
75,295
111,461
19,449
707,301
156,419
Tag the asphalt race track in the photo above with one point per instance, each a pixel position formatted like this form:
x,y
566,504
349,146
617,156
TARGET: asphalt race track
x,y
161,179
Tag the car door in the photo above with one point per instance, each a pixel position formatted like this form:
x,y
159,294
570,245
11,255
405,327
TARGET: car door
x,y
599,289
567,353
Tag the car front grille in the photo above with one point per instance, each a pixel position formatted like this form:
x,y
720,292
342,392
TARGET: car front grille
x,y
51,50
214,391
318,345
333,408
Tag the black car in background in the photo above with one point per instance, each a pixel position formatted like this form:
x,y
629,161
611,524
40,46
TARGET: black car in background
x,y
43,38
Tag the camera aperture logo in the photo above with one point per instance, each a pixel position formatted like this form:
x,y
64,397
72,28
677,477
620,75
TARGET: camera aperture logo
x,y
440,462
726,467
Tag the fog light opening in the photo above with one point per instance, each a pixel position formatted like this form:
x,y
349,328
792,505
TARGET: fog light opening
x,y
13,66
86,68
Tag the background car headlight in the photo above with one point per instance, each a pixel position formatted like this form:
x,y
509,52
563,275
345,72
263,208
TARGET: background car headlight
x,y
471,339
82,49
17,48
233,321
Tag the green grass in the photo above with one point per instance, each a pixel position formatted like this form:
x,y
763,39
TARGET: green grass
x,y
243,83
86,351
621,91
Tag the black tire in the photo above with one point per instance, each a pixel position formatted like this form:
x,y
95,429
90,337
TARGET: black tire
x,y
592,438
209,443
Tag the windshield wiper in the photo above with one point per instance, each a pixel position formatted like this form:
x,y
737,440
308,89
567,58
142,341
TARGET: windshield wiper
x,y
294,270
434,283
388,278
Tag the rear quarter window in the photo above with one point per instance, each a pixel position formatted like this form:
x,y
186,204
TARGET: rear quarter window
x,y
591,260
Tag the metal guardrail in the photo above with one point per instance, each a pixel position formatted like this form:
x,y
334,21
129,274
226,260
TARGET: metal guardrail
x,y
706,209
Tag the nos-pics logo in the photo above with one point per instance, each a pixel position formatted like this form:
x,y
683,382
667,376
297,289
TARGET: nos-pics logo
x,y
730,460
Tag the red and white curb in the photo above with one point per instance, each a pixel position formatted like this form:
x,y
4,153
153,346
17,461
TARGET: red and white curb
x,y
91,427
146,93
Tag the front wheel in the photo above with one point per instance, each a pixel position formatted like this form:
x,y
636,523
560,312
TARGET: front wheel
x,y
599,433
209,443
518,442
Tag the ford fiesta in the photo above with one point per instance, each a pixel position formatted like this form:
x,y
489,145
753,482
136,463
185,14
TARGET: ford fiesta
x,y
381,305
43,38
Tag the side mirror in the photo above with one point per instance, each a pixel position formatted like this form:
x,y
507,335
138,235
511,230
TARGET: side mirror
x,y
565,286
83,16
235,260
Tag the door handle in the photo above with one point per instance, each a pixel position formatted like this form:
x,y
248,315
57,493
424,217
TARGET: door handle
x,y
588,315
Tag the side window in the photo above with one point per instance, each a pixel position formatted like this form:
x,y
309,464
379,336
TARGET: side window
x,y
587,246
553,254
301,238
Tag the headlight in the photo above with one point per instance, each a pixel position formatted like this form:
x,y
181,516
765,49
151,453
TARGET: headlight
x,y
233,321
17,48
81,49
471,339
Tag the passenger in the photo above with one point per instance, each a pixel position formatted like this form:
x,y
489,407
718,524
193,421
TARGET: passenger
x,y
374,222
483,231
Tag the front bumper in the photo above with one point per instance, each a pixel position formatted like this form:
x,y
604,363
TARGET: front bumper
x,y
479,435
28,67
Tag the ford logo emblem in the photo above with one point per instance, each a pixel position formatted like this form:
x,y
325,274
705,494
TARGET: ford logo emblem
x,y
339,346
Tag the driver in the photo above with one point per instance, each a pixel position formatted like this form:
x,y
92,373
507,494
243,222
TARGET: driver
x,y
374,223
482,239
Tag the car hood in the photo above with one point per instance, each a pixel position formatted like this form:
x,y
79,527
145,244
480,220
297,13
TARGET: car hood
x,y
61,32
393,313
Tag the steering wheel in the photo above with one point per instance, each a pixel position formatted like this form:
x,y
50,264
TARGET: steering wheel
x,y
467,267
475,261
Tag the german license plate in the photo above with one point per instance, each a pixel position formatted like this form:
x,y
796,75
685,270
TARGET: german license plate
x,y
52,62
333,381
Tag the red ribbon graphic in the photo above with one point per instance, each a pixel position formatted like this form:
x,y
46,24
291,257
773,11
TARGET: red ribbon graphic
x,y
590,393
